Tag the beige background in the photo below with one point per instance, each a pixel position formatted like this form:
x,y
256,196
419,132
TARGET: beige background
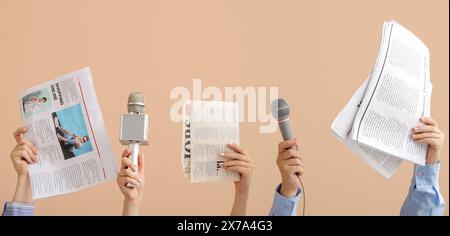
x,y
316,52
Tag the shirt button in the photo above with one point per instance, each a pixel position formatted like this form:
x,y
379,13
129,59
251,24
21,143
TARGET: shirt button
x,y
420,173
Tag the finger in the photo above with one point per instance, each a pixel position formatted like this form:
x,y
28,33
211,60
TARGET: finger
x,y
141,163
19,132
295,170
429,141
123,181
426,135
285,145
126,153
241,170
236,163
23,155
127,163
293,162
131,181
233,155
27,142
29,151
236,148
428,121
128,173
426,128
289,153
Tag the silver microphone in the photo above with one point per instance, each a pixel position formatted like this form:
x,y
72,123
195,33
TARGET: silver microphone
x,y
134,126
280,111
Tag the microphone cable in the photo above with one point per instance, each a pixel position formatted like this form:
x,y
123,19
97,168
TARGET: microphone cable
x,y
304,195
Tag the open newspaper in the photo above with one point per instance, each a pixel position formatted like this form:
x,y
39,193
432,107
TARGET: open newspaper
x,y
208,126
64,121
378,120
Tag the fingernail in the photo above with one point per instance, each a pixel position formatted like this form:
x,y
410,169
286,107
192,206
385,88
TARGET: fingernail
x,y
222,154
140,180
414,136
416,129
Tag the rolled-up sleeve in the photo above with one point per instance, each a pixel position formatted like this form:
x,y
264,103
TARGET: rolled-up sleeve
x,y
18,209
424,197
284,206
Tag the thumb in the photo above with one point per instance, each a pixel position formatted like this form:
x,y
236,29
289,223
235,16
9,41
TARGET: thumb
x,y
141,162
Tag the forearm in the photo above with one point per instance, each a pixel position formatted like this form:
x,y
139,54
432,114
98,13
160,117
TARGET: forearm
x,y
240,204
61,138
22,193
131,208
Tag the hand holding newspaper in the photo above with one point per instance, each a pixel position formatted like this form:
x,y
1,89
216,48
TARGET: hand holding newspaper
x,y
377,122
208,126
64,121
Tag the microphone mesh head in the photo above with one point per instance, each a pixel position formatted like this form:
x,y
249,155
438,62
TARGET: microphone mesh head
x,y
136,102
280,108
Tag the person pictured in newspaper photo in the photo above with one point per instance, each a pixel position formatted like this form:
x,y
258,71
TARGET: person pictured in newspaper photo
x,y
68,140
239,161
33,103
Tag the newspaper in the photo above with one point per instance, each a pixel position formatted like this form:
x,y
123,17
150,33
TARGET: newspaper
x,y
377,122
64,121
208,126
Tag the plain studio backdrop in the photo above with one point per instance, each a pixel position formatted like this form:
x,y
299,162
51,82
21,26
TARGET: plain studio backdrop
x,y
316,52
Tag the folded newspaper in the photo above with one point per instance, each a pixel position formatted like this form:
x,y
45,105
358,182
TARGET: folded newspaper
x,y
377,122
64,121
208,126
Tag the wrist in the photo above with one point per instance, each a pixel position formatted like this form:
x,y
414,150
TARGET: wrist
x,y
22,179
242,196
23,189
131,207
288,189
432,159
240,204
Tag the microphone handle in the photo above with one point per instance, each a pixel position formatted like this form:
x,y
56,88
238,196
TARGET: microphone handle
x,y
286,132
134,147
286,129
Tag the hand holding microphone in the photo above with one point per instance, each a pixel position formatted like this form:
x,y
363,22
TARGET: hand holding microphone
x,y
134,128
289,161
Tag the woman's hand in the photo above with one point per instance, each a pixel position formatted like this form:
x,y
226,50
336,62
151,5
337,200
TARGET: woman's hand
x,y
22,156
241,162
291,165
429,133
133,195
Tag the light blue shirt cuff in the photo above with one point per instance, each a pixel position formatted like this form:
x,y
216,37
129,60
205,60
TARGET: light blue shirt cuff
x,y
18,209
426,176
284,206
424,198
